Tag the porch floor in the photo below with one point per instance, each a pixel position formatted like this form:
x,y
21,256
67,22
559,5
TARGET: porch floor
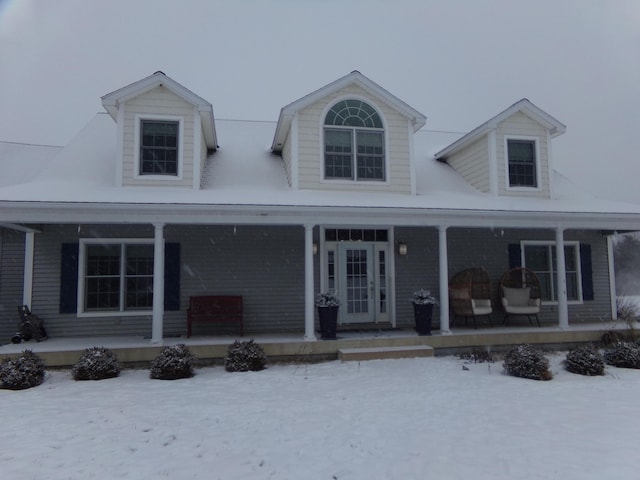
x,y
64,352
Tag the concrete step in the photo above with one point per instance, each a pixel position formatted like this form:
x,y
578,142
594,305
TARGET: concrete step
x,y
377,353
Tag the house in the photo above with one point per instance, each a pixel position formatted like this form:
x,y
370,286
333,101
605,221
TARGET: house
x,y
156,201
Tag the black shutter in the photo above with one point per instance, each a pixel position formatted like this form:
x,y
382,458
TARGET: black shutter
x,y
515,259
172,276
586,271
69,278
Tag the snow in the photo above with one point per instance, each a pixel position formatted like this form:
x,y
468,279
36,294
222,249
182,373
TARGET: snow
x,y
381,419
244,172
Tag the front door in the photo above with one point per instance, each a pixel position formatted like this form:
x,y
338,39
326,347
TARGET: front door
x,y
362,282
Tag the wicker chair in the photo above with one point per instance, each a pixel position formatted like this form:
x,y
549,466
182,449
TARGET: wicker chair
x,y
470,295
520,293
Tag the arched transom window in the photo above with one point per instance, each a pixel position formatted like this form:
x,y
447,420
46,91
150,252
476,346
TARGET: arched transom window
x,y
353,142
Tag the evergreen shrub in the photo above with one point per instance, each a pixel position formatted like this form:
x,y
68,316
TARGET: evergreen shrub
x,y
96,363
526,361
173,362
623,355
245,356
23,372
585,360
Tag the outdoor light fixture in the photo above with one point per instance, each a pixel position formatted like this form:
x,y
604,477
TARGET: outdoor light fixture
x,y
402,248
315,248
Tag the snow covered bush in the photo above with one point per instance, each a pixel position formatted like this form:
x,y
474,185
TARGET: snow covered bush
x,y
479,355
245,356
585,360
623,355
96,363
25,371
526,361
173,362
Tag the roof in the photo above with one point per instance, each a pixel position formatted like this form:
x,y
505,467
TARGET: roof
x,y
112,101
524,106
19,162
354,78
246,183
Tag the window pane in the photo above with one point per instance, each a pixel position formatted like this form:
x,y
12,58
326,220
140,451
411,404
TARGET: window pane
x,y
522,163
353,113
338,154
370,156
537,257
139,273
159,148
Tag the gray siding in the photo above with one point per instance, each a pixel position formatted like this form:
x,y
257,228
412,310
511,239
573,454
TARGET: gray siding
x,y
263,264
11,276
488,248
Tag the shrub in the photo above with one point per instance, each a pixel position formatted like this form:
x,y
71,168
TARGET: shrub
x,y
526,361
585,360
173,362
612,337
623,355
245,356
96,363
25,371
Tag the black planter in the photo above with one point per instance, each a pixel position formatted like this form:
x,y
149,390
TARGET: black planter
x,y
423,315
328,322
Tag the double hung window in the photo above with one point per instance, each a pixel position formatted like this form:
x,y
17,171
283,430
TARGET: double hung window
x,y
117,277
541,258
522,163
159,147
354,142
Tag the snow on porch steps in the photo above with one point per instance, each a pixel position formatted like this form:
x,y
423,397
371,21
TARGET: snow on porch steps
x,y
377,353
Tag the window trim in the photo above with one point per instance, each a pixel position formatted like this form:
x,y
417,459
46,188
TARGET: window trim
x,y
139,118
551,243
522,188
385,140
82,269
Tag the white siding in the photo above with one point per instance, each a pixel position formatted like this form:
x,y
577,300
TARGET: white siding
x,y
159,101
286,157
472,163
520,125
310,153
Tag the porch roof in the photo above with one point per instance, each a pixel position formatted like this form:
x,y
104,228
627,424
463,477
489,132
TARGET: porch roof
x,y
245,183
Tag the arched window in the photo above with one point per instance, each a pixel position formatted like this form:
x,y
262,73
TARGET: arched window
x,y
353,142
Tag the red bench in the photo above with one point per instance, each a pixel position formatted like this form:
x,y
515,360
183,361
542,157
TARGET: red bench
x,y
214,309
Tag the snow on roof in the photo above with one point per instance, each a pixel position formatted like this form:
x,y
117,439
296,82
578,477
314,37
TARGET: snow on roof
x,y
244,171
19,162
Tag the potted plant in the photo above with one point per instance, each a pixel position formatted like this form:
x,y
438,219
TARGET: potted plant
x,y
328,303
423,303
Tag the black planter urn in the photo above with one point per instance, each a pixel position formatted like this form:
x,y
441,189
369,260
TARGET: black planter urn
x,y
328,322
423,314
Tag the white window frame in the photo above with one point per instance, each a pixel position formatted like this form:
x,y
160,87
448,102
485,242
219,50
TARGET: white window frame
x,y
138,140
521,188
82,272
554,272
385,139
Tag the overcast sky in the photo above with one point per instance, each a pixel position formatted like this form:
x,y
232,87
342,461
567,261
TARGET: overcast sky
x,y
457,62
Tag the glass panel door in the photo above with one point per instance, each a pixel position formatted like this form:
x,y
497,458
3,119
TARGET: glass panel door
x,y
357,283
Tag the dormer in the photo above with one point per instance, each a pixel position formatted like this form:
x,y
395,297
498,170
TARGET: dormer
x,y
510,154
350,135
165,132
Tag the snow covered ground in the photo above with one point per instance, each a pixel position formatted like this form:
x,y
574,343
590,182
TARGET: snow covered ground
x,y
386,419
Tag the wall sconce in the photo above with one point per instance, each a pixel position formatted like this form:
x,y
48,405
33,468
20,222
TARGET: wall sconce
x,y
315,248
402,248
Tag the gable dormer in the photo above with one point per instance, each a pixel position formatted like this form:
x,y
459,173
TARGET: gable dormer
x,y
510,154
164,133
350,135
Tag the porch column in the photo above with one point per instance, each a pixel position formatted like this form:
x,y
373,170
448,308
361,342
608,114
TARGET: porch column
x,y
309,334
444,280
561,281
158,283
27,284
